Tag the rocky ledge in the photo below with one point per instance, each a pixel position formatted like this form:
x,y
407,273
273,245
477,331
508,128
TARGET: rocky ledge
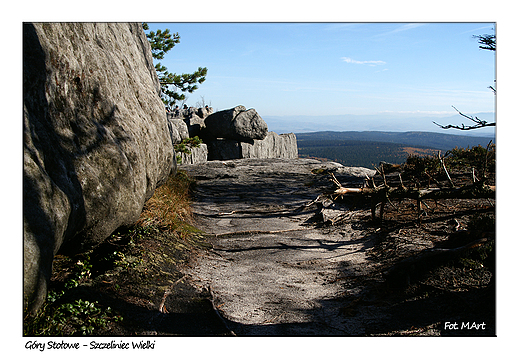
x,y
229,134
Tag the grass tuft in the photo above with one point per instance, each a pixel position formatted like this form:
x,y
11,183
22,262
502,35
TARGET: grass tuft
x,y
170,206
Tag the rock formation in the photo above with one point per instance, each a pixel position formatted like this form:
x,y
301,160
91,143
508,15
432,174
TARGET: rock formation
x,y
178,130
193,119
96,139
196,155
235,124
229,134
273,146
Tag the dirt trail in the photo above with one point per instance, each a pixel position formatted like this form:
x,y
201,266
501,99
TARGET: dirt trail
x,y
272,270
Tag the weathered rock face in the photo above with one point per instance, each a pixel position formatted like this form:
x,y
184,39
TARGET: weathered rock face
x,y
229,134
178,130
192,117
195,125
196,155
235,124
96,139
273,146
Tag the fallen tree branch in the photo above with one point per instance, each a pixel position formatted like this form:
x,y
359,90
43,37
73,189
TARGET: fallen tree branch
x,y
381,194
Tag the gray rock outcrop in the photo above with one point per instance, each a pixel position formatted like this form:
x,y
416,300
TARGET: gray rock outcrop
x,y
192,117
273,146
229,134
196,155
178,130
237,124
96,140
195,125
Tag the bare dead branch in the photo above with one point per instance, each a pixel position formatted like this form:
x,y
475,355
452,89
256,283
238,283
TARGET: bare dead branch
x,y
479,123
445,170
382,194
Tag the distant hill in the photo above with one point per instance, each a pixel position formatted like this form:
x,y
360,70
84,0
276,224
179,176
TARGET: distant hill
x,y
439,141
394,122
368,148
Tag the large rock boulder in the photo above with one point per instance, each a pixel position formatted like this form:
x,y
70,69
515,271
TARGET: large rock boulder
x,y
196,155
272,146
195,124
96,140
178,130
193,117
360,172
237,124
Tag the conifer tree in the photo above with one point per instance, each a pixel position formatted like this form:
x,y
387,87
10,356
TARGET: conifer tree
x,y
173,86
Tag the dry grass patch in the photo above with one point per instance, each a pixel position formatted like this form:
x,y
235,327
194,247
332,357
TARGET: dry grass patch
x,y
170,207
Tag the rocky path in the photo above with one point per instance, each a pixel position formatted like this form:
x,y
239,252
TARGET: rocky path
x,y
273,270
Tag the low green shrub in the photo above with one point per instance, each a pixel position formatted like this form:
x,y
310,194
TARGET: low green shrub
x,y
480,158
186,145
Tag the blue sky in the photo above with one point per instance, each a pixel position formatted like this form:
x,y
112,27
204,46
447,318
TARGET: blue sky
x,y
320,69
